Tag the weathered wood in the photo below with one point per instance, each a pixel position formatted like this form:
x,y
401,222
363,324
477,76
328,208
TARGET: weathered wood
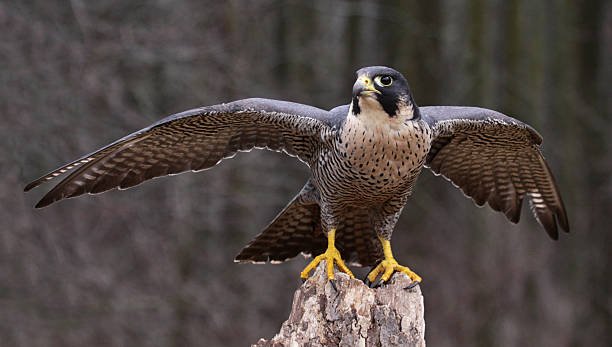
x,y
355,315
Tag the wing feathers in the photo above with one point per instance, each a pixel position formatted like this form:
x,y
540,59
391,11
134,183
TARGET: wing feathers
x,y
495,159
192,140
86,170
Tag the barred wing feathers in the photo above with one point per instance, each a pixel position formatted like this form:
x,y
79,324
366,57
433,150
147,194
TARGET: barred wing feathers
x,y
494,159
192,140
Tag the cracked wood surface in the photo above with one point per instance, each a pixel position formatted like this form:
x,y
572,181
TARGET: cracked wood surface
x,y
355,315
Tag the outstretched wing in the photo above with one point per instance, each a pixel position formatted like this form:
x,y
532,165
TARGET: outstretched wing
x,y
192,140
496,159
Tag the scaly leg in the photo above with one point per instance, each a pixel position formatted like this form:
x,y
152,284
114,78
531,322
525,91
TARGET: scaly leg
x,y
330,255
389,265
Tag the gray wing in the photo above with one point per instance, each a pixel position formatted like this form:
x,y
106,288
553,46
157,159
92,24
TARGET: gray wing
x,y
192,140
496,159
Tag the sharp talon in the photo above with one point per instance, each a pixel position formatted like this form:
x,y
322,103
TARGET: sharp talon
x,y
333,283
331,256
377,283
303,280
412,285
367,282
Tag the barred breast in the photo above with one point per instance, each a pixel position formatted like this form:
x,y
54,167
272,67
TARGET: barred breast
x,y
376,158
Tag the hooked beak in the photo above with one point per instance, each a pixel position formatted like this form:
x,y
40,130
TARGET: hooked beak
x,y
364,87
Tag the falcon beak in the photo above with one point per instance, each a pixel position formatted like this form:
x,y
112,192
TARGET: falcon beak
x,y
364,87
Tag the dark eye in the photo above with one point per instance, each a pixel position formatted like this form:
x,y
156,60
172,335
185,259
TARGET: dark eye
x,y
384,81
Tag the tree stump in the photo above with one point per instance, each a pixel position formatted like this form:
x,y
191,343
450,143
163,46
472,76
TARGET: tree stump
x,y
355,315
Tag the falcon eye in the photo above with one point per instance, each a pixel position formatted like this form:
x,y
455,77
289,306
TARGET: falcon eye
x,y
383,81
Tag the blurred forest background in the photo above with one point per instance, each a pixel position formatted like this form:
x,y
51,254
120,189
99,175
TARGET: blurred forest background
x,y
152,266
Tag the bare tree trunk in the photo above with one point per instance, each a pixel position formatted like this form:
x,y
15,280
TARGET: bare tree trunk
x,y
355,315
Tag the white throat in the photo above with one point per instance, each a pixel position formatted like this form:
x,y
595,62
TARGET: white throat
x,y
373,115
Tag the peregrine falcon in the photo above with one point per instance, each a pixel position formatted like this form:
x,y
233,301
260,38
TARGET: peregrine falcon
x,y
364,159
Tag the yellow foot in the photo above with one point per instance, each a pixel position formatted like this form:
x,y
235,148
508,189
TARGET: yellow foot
x,y
330,256
386,268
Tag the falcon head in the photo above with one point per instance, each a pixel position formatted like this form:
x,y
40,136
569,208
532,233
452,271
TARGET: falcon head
x,y
380,88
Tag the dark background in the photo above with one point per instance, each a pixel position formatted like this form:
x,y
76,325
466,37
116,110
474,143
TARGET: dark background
x,y
152,266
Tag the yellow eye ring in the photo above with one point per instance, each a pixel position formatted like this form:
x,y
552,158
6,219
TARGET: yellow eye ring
x,y
384,80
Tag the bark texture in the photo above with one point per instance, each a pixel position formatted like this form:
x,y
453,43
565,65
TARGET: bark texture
x,y
355,315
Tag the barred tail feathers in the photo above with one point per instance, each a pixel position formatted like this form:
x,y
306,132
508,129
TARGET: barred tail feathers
x,y
297,229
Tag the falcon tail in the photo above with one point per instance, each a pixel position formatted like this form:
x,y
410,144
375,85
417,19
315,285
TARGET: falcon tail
x,y
297,229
